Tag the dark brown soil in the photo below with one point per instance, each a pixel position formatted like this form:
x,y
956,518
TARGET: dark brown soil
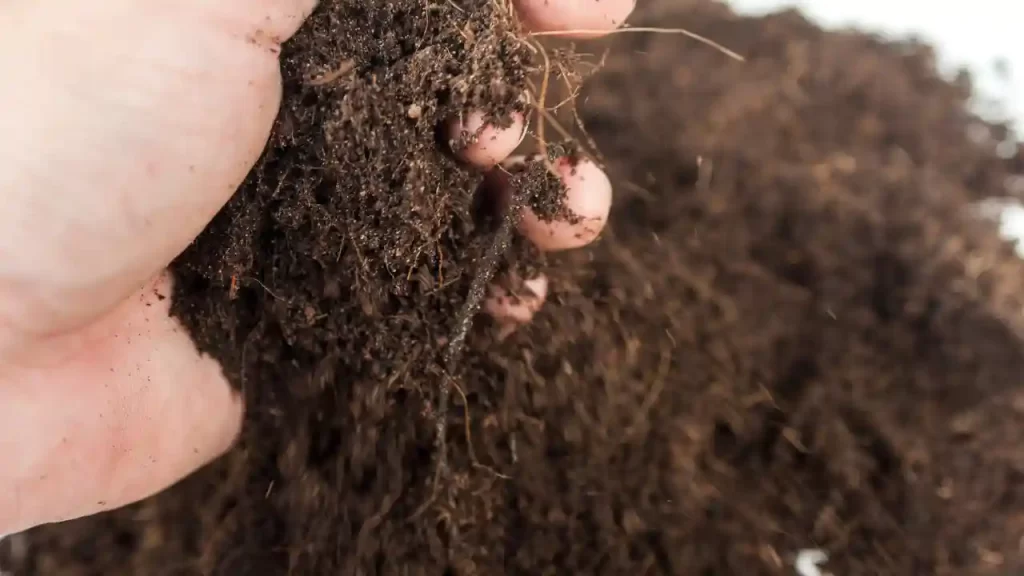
x,y
809,342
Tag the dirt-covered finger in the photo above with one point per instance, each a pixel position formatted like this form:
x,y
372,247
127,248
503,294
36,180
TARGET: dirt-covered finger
x,y
483,142
516,301
574,18
587,201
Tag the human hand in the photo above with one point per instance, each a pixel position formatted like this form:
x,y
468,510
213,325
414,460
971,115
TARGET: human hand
x,y
126,125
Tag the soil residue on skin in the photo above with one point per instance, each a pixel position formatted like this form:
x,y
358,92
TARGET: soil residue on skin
x,y
804,340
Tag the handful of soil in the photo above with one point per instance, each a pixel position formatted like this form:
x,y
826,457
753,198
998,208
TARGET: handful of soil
x,y
802,339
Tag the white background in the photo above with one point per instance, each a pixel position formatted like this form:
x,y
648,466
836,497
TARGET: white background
x,y
975,33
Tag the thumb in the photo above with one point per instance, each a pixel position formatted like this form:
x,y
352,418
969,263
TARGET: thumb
x,y
126,126
132,409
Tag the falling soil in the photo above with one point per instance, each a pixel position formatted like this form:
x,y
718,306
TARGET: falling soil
x,y
804,340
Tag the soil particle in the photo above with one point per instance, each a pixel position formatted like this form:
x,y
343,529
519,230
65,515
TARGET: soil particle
x,y
803,340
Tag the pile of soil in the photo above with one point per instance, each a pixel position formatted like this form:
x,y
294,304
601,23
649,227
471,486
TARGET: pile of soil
x,y
804,339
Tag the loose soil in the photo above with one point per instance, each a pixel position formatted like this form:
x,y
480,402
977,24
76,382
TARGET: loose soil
x,y
803,340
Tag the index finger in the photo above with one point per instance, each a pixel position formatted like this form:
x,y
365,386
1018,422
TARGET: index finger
x,y
574,18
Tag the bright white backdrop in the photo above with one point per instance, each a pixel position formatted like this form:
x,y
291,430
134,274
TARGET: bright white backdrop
x,y
976,34
984,36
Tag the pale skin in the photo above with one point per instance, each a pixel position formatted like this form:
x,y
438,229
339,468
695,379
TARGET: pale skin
x,y
126,125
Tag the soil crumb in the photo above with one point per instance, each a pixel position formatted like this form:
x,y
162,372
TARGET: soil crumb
x,y
795,333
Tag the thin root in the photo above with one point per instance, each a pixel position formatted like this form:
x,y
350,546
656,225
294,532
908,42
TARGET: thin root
x,y
469,436
680,31
457,342
334,75
541,109
267,290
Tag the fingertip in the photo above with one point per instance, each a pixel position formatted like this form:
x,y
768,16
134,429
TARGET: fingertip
x,y
481,143
588,197
519,306
578,18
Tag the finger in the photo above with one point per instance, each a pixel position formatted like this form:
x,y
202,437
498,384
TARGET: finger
x,y
131,410
588,199
489,145
126,126
579,18
517,306
481,143
274,20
